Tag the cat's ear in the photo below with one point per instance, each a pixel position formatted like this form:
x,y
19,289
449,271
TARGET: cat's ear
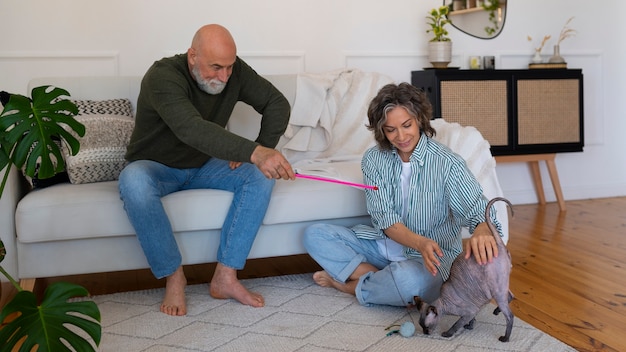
x,y
418,302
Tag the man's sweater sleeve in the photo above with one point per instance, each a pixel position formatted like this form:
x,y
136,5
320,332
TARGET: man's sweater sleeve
x,y
268,101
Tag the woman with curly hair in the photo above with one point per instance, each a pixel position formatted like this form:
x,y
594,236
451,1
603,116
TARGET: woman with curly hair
x,y
425,195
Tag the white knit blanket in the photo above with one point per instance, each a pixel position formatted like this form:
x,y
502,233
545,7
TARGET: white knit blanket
x,y
329,115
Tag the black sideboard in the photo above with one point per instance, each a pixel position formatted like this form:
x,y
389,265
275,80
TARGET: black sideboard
x,y
519,112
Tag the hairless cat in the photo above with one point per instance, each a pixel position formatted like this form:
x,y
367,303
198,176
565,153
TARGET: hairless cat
x,y
471,286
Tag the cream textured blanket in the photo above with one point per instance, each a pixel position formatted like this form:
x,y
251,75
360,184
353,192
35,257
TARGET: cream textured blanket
x,y
329,115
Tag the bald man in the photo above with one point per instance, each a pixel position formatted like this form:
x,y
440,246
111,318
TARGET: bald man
x,y
180,142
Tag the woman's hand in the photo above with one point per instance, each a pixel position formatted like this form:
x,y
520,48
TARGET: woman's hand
x,y
482,244
431,252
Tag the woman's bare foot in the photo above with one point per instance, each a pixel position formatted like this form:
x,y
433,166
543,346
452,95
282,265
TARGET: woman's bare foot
x,y
225,285
174,300
323,279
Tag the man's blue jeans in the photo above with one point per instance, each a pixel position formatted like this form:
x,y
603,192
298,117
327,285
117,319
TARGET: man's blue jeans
x,y
143,183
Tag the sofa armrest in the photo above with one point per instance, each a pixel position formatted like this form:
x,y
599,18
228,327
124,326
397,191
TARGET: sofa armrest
x,y
13,192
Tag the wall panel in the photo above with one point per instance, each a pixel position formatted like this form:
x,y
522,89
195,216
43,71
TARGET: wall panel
x,y
16,69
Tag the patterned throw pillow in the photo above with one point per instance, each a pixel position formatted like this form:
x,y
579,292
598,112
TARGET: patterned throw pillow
x,y
36,182
108,126
120,107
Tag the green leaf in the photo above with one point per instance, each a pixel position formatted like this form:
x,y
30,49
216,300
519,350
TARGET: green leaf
x,y
4,154
437,20
46,326
30,127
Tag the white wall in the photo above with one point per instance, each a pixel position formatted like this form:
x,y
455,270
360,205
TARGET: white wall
x,y
123,37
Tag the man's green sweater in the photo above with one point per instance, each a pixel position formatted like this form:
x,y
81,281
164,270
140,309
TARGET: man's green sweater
x,y
181,126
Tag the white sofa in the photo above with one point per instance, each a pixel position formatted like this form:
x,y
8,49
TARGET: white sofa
x,y
69,229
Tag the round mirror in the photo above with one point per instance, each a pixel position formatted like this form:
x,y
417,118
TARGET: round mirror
x,y
482,19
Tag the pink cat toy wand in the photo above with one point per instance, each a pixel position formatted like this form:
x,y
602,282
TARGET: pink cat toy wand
x,y
319,178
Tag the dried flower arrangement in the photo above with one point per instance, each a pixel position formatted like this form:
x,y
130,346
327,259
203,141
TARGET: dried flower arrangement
x,y
566,32
543,43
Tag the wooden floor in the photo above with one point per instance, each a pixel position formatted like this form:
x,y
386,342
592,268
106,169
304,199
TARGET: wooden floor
x,y
569,272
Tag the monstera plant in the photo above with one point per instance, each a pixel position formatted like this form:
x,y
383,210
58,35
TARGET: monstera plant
x,y
29,132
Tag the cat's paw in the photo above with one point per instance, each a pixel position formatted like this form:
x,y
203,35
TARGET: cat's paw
x,y
470,325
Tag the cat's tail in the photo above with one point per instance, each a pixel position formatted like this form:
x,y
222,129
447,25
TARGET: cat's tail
x,y
492,227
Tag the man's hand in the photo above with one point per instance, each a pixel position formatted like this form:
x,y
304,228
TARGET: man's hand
x,y
482,244
272,163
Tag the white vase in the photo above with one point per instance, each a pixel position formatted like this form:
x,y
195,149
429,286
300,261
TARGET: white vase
x,y
537,58
440,54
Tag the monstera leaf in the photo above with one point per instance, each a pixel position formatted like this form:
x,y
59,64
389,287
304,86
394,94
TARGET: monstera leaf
x,y
53,324
27,129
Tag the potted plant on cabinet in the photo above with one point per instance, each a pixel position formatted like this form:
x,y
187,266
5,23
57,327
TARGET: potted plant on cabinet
x,y
28,130
440,46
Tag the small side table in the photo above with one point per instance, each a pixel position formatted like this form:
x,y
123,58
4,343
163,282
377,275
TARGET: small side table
x,y
533,161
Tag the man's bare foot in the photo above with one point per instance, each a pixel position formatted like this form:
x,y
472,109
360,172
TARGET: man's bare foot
x,y
323,279
225,285
174,300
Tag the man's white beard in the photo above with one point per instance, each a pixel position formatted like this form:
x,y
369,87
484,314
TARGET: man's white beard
x,y
212,86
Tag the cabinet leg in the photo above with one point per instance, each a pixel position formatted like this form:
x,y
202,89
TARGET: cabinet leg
x,y
556,184
536,174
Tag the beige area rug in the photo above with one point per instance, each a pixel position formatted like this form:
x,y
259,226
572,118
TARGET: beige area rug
x,y
298,316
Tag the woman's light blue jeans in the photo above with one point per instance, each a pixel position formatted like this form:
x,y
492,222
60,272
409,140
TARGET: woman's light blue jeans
x,y
143,183
339,251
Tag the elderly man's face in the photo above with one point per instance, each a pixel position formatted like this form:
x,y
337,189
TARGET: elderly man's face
x,y
212,68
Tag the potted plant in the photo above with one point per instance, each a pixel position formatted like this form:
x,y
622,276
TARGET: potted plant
x,y
28,130
440,46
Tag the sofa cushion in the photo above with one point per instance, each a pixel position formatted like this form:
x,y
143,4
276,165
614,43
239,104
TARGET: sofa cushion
x,y
96,210
68,211
108,126
305,200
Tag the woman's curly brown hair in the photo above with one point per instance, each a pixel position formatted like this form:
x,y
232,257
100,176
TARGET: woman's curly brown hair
x,y
404,95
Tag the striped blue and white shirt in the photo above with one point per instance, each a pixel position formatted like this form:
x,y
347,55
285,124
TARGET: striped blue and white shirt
x,y
444,197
